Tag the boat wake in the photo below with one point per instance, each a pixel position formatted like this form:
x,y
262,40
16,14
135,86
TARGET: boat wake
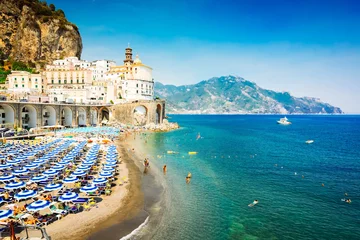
x,y
135,231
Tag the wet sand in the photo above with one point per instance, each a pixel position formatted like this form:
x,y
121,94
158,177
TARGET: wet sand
x,y
143,206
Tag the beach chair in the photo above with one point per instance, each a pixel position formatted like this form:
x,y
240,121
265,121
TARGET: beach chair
x,y
55,210
86,207
74,209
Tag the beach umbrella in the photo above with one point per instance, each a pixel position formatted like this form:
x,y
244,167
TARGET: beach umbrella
x,y
108,169
38,205
40,161
5,166
100,180
13,161
58,167
110,164
25,194
70,179
22,171
89,188
83,168
106,174
31,166
39,178
5,214
50,172
88,162
5,178
52,187
79,173
68,197
15,185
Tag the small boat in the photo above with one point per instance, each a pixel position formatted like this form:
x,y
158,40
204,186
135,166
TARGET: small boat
x,y
283,121
309,141
171,152
192,153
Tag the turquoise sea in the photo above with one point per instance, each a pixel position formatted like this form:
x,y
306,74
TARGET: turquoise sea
x,y
241,158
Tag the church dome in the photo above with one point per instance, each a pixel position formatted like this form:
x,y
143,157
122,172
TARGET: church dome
x,y
137,59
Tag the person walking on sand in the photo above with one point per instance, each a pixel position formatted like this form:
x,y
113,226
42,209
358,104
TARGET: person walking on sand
x,y
164,168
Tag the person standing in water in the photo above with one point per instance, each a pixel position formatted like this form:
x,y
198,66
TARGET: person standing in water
x,y
188,177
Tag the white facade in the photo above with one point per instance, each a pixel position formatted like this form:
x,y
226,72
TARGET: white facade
x,y
68,63
133,80
25,82
99,68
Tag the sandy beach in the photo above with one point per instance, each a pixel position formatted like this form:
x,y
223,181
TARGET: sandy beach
x,y
124,202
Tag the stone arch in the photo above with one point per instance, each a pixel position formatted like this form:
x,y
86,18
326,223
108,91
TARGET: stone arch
x,y
7,115
49,116
81,117
104,115
66,117
140,115
158,114
28,117
93,116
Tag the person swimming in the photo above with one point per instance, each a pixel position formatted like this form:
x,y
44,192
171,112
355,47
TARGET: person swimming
x,y
188,177
253,203
348,200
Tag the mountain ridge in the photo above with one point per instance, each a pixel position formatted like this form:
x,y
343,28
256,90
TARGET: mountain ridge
x,y
235,95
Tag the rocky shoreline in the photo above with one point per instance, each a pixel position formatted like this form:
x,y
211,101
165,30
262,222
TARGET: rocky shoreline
x,y
166,126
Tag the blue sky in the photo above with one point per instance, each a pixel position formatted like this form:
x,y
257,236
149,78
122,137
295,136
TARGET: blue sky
x,y
309,48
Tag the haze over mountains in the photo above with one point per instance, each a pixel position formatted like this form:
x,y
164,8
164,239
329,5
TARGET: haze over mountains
x,y
233,95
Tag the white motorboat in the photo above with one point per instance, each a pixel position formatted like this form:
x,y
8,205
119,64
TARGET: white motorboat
x,y
283,121
309,141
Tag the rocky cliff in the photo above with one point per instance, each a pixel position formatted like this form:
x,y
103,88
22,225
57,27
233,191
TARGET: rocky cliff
x,y
32,31
230,94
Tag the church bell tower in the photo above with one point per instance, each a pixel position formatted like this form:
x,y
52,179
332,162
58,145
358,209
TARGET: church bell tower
x,y
128,56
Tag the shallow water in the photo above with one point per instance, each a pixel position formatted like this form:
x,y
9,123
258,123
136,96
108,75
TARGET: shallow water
x,y
242,158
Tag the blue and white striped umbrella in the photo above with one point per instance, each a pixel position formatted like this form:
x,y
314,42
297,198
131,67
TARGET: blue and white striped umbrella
x,y
5,166
110,164
5,178
22,171
58,167
106,174
13,161
70,179
25,194
100,180
79,173
52,187
40,161
88,163
50,172
89,188
38,205
68,197
108,169
31,166
15,185
83,167
64,162
111,161
39,178
5,214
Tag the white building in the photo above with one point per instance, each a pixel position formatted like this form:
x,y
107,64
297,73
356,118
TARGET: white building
x,y
22,82
99,68
133,80
68,63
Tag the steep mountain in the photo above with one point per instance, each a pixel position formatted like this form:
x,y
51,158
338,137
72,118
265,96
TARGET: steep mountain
x,y
230,94
32,31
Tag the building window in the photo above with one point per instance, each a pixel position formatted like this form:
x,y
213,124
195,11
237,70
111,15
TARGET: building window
x,y
71,81
83,81
22,85
35,79
77,81
52,81
16,85
36,86
137,85
137,91
22,79
65,81
15,79
59,81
